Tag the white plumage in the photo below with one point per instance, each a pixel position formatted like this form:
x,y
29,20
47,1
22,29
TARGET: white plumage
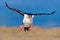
x,y
27,21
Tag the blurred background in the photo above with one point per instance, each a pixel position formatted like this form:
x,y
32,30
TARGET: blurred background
x,y
12,18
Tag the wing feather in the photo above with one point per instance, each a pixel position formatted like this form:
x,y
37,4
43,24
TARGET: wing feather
x,y
37,14
19,11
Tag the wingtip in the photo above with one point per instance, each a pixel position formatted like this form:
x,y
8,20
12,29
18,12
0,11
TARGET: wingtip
x,y
53,12
5,2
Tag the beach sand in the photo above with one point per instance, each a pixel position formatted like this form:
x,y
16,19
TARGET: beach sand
x,y
37,33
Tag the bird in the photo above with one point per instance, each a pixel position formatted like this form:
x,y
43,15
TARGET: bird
x,y
28,17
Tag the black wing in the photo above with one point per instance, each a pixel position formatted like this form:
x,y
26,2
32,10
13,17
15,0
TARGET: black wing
x,y
37,14
20,12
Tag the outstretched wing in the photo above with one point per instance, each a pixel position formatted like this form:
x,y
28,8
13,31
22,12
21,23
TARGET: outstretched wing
x,y
20,12
37,14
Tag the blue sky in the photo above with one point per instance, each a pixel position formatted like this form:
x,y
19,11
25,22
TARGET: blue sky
x,y
11,18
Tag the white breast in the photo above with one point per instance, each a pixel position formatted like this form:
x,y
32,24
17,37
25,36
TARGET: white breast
x,y
27,21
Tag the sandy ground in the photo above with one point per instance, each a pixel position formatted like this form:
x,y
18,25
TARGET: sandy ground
x,y
37,33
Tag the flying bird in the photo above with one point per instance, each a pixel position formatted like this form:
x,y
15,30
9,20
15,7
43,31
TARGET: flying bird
x,y
28,17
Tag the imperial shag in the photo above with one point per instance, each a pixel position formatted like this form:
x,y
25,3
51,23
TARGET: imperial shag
x,y
28,17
